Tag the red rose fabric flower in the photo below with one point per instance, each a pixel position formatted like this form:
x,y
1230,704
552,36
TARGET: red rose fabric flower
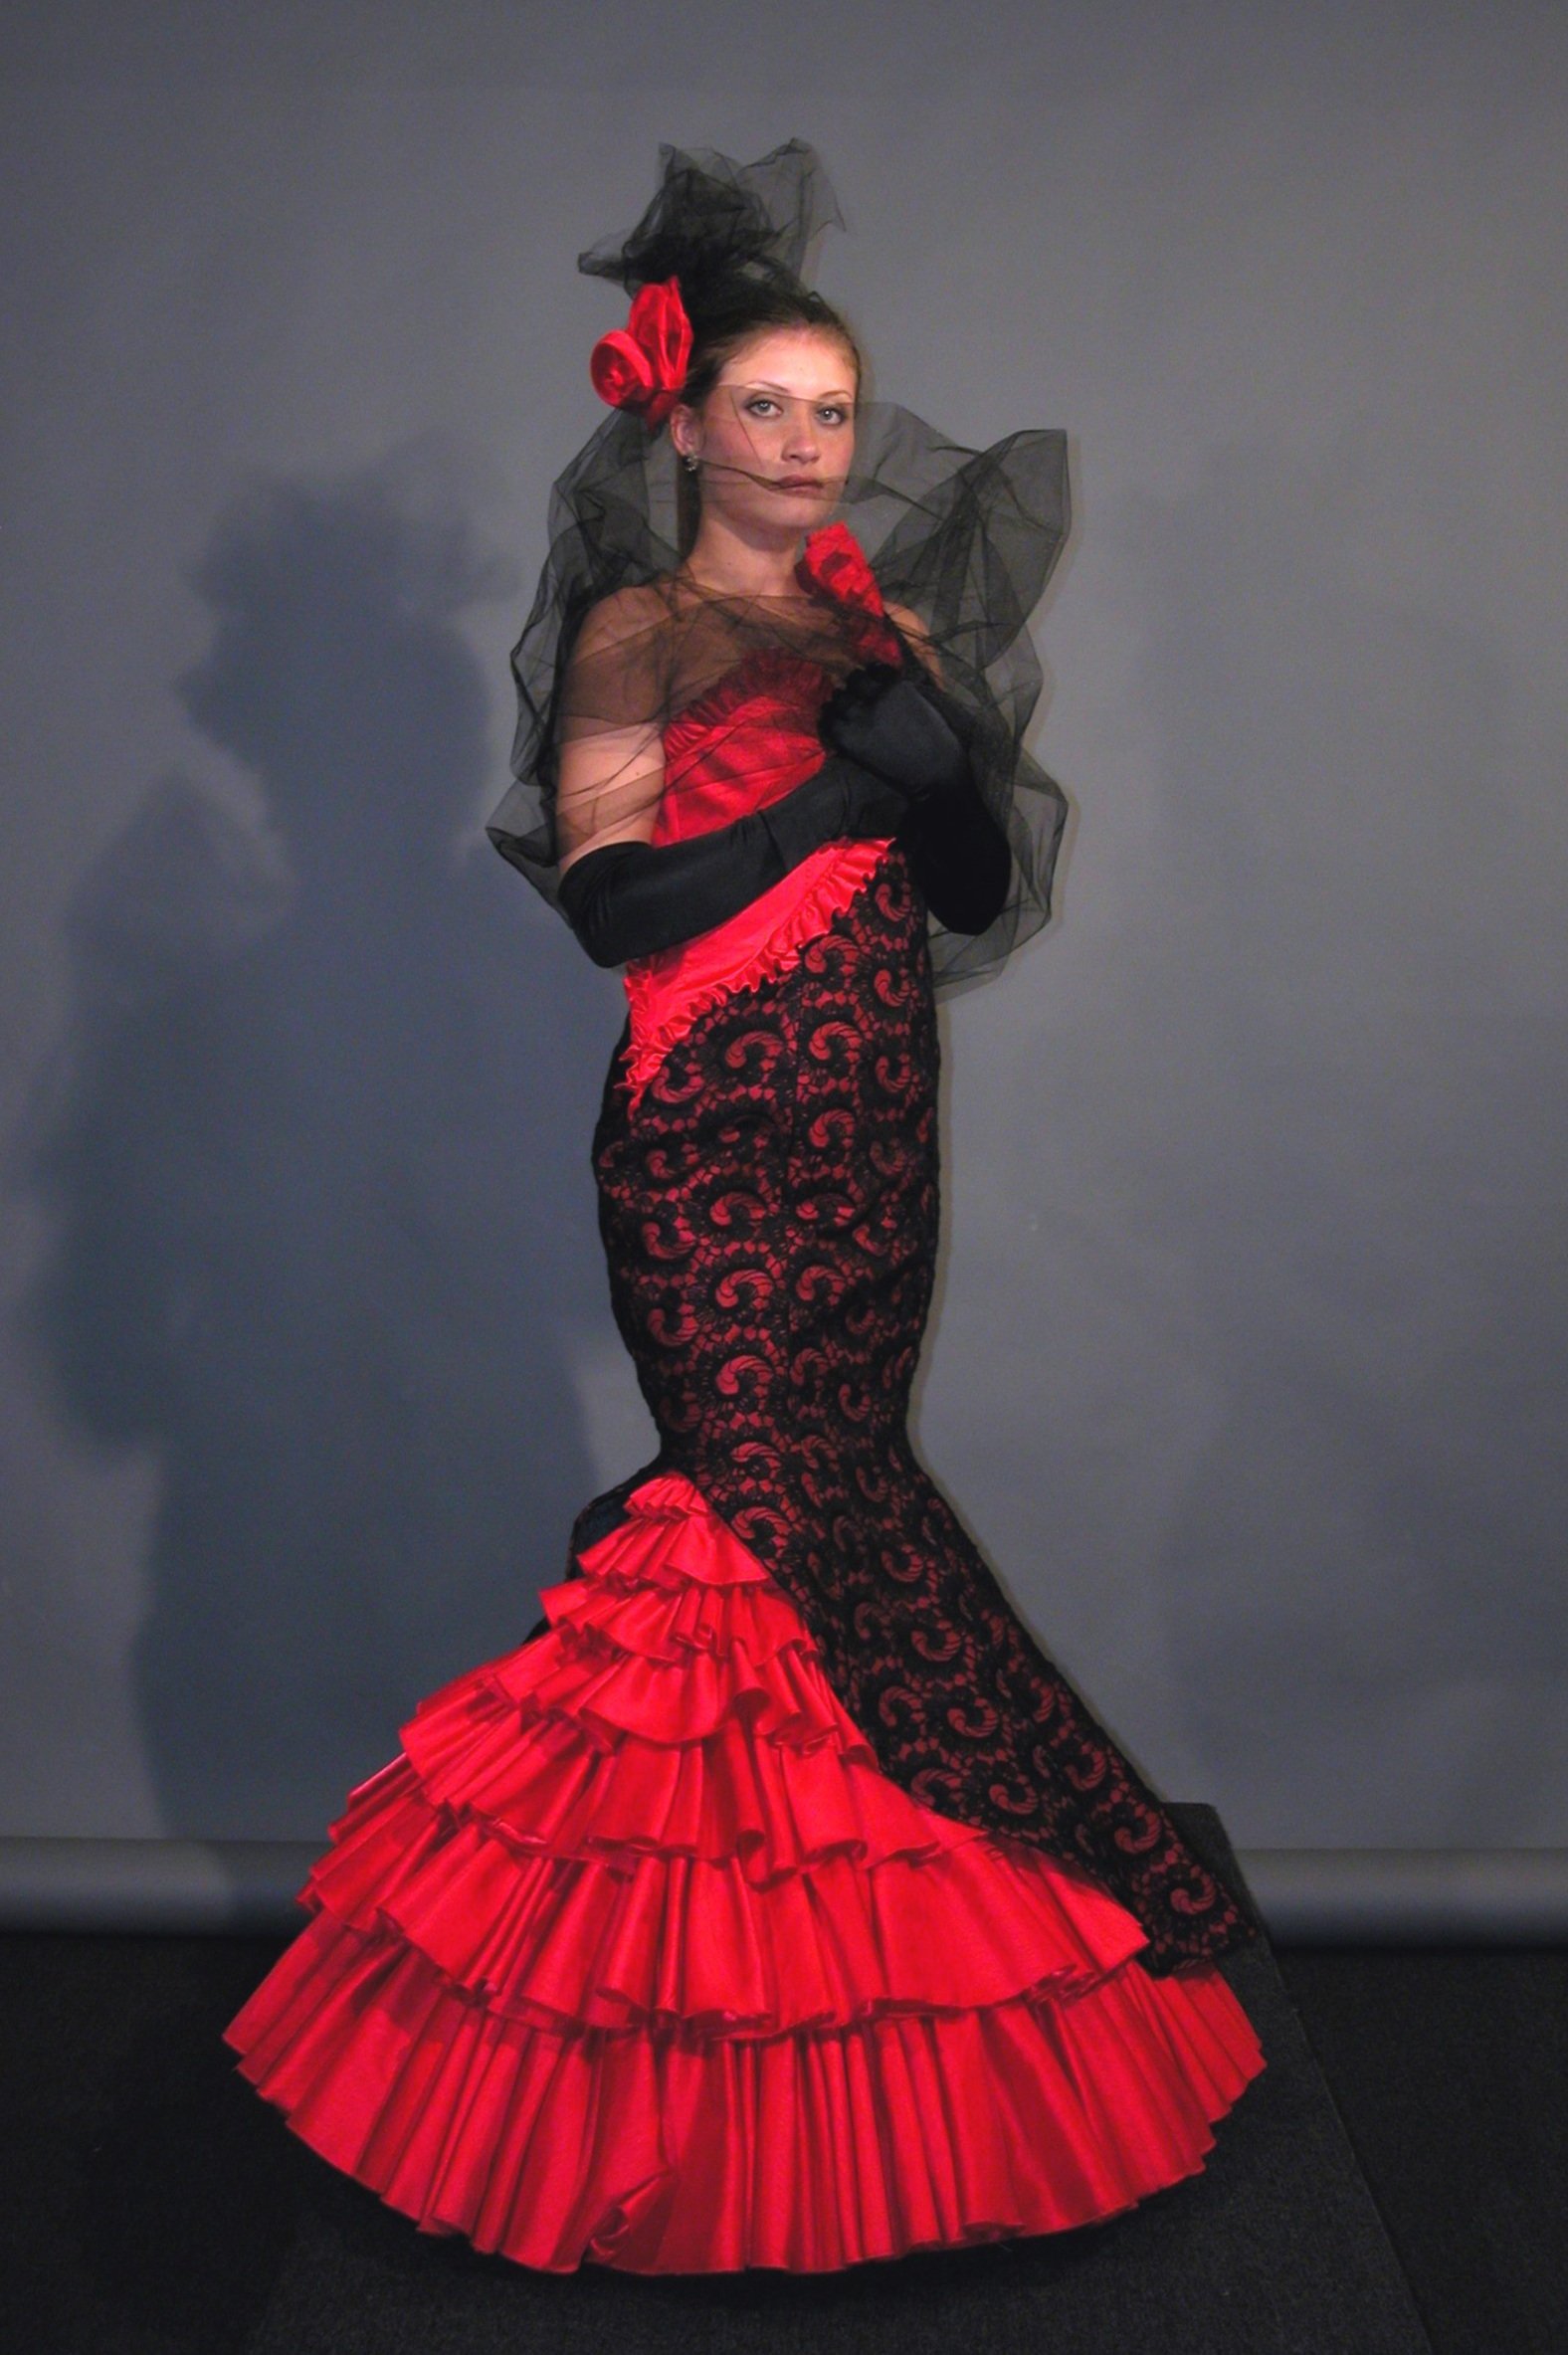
x,y
643,365
834,564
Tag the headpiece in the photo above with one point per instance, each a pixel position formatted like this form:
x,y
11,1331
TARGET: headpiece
x,y
643,365
965,538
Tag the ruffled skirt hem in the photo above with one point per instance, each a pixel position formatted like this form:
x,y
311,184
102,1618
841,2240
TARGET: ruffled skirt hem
x,y
633,1956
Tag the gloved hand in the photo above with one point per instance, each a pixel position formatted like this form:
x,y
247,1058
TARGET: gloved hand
x,y
899,727
902,726
841,798
629,898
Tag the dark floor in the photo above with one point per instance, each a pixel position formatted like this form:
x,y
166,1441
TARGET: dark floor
x,y
1451,2072
152,2203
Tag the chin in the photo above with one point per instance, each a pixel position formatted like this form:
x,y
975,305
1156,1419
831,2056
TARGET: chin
x,y
787,514
802,508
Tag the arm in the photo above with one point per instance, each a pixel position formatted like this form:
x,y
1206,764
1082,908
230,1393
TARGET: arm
x,y
908,731
627,899
960,858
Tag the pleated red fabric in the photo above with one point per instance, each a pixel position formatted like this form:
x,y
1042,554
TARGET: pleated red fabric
x,y
634,1955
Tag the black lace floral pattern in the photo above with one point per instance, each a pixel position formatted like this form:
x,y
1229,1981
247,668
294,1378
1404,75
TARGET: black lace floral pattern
x,y
769,1209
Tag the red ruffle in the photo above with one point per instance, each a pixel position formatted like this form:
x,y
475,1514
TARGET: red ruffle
x,y
633,1953
668,992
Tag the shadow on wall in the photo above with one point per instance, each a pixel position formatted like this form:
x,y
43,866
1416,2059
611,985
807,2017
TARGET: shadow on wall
x,y
316,1162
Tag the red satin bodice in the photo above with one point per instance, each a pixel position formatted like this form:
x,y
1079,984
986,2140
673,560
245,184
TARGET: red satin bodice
x,y
743,743
747,741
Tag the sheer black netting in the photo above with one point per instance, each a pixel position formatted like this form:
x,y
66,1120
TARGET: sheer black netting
x,y
965,540
713,220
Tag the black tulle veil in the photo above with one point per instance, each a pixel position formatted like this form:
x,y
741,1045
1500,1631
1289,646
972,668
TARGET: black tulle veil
x,y
965,538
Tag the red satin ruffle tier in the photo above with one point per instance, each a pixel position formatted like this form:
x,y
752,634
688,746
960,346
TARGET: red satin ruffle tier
x,y
633,1954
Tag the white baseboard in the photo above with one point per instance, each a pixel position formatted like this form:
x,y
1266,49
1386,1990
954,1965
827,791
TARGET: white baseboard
x,y
1307,1896
1410,1896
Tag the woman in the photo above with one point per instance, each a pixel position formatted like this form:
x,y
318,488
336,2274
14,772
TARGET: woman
x,y
776,1902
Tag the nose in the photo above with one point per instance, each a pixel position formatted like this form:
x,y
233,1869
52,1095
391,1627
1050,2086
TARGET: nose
x,y
799,440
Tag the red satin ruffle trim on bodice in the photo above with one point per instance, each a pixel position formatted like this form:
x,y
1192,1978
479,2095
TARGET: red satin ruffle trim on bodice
x,y
633,1954
667,993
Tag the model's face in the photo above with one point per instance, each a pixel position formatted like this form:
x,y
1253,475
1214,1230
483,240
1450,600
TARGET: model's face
x,y
774,439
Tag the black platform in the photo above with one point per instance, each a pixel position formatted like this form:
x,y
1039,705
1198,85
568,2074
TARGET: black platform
x,y
1277,2248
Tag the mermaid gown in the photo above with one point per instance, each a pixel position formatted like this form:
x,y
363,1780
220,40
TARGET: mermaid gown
x,y
777,1902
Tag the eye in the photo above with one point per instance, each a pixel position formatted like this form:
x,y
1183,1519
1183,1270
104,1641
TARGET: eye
x,y
833,414
759,405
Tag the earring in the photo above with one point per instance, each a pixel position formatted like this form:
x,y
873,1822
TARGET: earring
x,y
689,462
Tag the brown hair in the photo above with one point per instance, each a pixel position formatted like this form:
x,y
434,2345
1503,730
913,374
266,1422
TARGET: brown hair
x,y
747,309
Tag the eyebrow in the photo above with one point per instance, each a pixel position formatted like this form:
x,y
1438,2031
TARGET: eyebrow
x,y
837,392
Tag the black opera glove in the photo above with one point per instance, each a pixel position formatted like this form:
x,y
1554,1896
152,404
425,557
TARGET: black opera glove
x,y
890,723
627,900
911,732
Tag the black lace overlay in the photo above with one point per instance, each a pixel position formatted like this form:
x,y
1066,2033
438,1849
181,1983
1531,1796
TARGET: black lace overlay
x,y
769,1209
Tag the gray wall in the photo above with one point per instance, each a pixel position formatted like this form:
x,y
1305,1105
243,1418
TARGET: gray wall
x,y
1249,1363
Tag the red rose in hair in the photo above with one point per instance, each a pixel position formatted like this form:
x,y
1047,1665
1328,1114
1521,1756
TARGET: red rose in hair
x,y
834,564
643,365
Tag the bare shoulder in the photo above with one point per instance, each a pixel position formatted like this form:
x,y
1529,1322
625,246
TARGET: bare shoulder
x,y
910,625
620,618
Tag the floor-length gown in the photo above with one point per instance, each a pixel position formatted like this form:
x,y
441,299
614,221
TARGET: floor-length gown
x,y
779,1903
